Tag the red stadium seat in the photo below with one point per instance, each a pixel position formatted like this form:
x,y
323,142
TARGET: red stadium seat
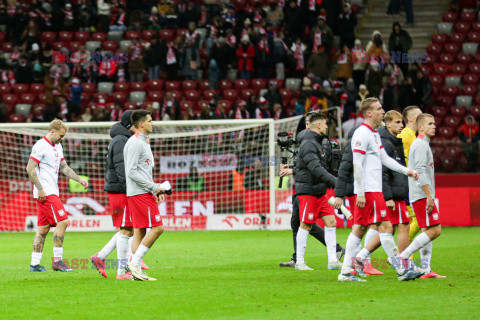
x,y
469,90
446,132
451,90
446,58
426,69
258,84
137,86
450,16
227,106
42,98
439,111
446,164
230,95
279,82
90,87
184,105
155,85
130,106
57,46
245,94
16,118
130,35
82,36
148,34
167,34
100,95
473,37
155,96
453,122
204,85
474,68
457,38
191,95
457,111
2,36
445,101
464,58
438,121
439,38
462,27
20,88
470,79
65,36
209,94
119,96
287,95
468,4
177,95
27,98
434,49
468,16
122,87
452,48
5,88
225,84
181,32
49,37
476,26
99,36
110,46
74,45
475,111
459,69
436,80
189,85
173,86
242,84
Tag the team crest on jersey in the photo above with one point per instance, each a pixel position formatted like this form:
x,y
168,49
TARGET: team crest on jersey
x,y
55,152
435,216
310,216
358,144
61,213
383,213
158,218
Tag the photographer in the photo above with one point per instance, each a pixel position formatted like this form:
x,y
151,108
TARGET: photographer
x,y
315,231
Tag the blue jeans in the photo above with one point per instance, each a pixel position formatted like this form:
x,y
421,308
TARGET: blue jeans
x,y
153,72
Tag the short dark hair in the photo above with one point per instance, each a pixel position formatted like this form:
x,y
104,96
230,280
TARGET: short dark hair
x,y
406,112
139,116
317,116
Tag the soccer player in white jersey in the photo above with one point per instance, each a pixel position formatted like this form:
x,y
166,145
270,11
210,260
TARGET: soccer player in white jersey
x,y
368,157
422,195
43,166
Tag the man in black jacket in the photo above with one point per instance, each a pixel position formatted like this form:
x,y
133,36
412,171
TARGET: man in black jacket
x,y
316,231
115,186
311,182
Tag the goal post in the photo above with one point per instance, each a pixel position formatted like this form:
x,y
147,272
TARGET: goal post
x,y
223,173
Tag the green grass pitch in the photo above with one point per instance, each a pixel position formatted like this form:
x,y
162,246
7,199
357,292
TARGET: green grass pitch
x,y
234,275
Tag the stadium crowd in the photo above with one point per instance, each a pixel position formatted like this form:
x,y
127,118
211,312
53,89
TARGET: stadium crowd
x,y
312,42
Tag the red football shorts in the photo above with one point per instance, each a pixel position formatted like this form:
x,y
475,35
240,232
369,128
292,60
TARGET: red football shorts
x,y
425,220
375,210
118,205
144,211
313,207
51,211
399,214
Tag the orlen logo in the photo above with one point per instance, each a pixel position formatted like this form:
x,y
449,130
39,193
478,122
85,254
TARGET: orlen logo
x,y
229,219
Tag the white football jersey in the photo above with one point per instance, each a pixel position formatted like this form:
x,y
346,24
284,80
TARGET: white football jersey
x,y
367,141
48,157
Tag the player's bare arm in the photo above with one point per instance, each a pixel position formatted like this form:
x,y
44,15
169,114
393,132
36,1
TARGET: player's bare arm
x,y
32,176
69,173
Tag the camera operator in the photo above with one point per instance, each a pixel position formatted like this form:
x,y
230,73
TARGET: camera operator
x,y
315,230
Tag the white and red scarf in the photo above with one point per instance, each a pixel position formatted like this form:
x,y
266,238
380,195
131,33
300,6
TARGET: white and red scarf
x,y
263,45
171,59
317,41
298,54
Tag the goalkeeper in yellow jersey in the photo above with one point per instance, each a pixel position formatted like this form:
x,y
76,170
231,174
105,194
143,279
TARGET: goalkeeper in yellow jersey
x,y
408,135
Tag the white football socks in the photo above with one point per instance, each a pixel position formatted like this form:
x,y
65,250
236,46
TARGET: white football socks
x,y
331,243
57,253
129,249
419,242
302,236
109,247
36,258
388,244
369,236
351,249
426,257
138,256
122,247
364,254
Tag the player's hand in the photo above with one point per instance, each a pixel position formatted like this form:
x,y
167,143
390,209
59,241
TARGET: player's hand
x,y
338,203
361,201
84,183
159,191
390,204
159,199
41,196
430,204
413,174
286,172
284,166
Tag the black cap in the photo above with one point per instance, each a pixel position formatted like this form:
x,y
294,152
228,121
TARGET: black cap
x,y
126,122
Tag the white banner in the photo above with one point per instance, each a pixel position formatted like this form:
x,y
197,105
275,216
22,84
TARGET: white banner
x,y
246,222
78,223
204,163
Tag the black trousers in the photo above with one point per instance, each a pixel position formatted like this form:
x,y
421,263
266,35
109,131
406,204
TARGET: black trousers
x,y
317,232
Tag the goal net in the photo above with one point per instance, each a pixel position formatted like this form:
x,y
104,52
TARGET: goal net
x,y
223,174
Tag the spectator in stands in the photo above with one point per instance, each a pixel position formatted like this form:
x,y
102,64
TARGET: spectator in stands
x,y
54,86
298,49
406,96
275,15
153,58
190,59
353,121
239,111
107,70
86,16
205,113
223,56
189,15
236,181
3,17
254,177
214,74
23,71
344,63
51,112
263,111
386,95
280,52
376,48
16,26
3,111
170,102
193,182
46,58
189,114
69,111
87,115
136,69
252,105
245,55
76,90
423,89
263,53
318,63
294,18
69,22
394,7
218,112
103,7
118,20
359,60
154,108
117,112
36,115
363,93
374,81
347,22
273,95
470,135
279,112
31,34
400,42
408,6
326,35
170,56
